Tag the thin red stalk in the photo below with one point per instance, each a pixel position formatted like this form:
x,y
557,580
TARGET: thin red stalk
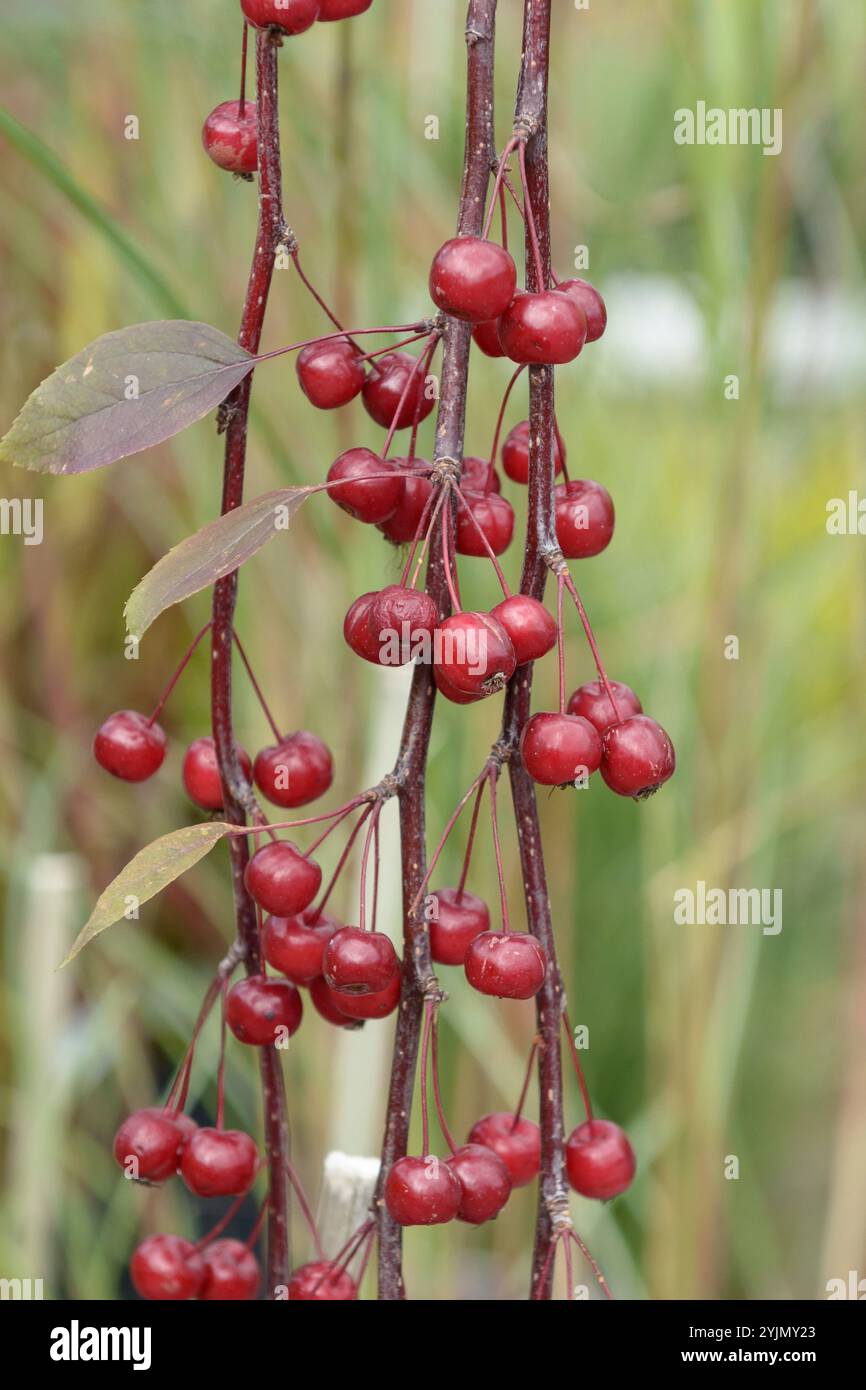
x,y
221,1066
242,100
584,1250
431,528
259,1222
224,1221
452,821
418,979
437,1088
578,1067
446,555
492,778
418,370
377,860
532,230
236,792
258,690
501,416
491,555
526,1080
329,830
341,862
306,1210
500,172
178,673
470,841
176,1098
365,858
590,637
394,347
425,1045
560,643
420,530
503,213
569,1271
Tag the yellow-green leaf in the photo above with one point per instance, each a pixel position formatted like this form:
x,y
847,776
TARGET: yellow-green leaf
x,y
152,869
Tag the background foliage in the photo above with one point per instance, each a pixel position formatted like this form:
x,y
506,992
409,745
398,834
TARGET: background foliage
x,y
705,1042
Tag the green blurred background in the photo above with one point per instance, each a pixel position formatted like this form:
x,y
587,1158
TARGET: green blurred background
x,y
705,1041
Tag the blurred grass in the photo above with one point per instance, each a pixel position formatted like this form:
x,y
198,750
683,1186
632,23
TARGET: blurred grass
x,y
705,1042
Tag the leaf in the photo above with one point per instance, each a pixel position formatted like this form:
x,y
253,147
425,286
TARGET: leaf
x,y
152,869
209,554
80,417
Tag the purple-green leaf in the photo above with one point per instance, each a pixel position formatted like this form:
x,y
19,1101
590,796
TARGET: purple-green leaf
x,y
152,869
206,556
126,392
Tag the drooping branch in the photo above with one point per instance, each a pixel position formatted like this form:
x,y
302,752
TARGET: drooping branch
x,y
418,977
541,544
236,792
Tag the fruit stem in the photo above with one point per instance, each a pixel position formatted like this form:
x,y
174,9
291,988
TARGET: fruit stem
x,y
446,553
365,857
584,1250
419,369
306,1210
518,1112
258,690
420,530
470,840
221,1066
560,642
532,230
178,673
394,347
242,100
425,1044
578,1068
437,1090
431,526
341,862
590,636
501,416
492,778
503,582
500,172
224,1221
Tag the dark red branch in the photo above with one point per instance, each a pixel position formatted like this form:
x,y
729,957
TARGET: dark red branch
x,y
236,791
418,978
541,545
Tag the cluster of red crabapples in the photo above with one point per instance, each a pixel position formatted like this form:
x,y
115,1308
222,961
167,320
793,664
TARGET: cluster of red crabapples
x,y
229,134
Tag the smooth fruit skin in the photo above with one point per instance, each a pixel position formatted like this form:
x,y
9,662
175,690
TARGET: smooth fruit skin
x,y
557,748
281,879
295,945
361,1007
370,488
457,697
546,328
167,1268
358,629
486,336
495,516
330,374
474,653
402,618
258,1008
599,1160
530,626
201,776
129,747
290,16
231,1272
322,1281
584,518
325,1004
359,962
479,475
154,1140
296,771
518,1145
515,453
592,702
403,524
342,9
472,279
508,965
219,1162
384,387
485,1182
422,1192
637,757
231,139
587,298
458,919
